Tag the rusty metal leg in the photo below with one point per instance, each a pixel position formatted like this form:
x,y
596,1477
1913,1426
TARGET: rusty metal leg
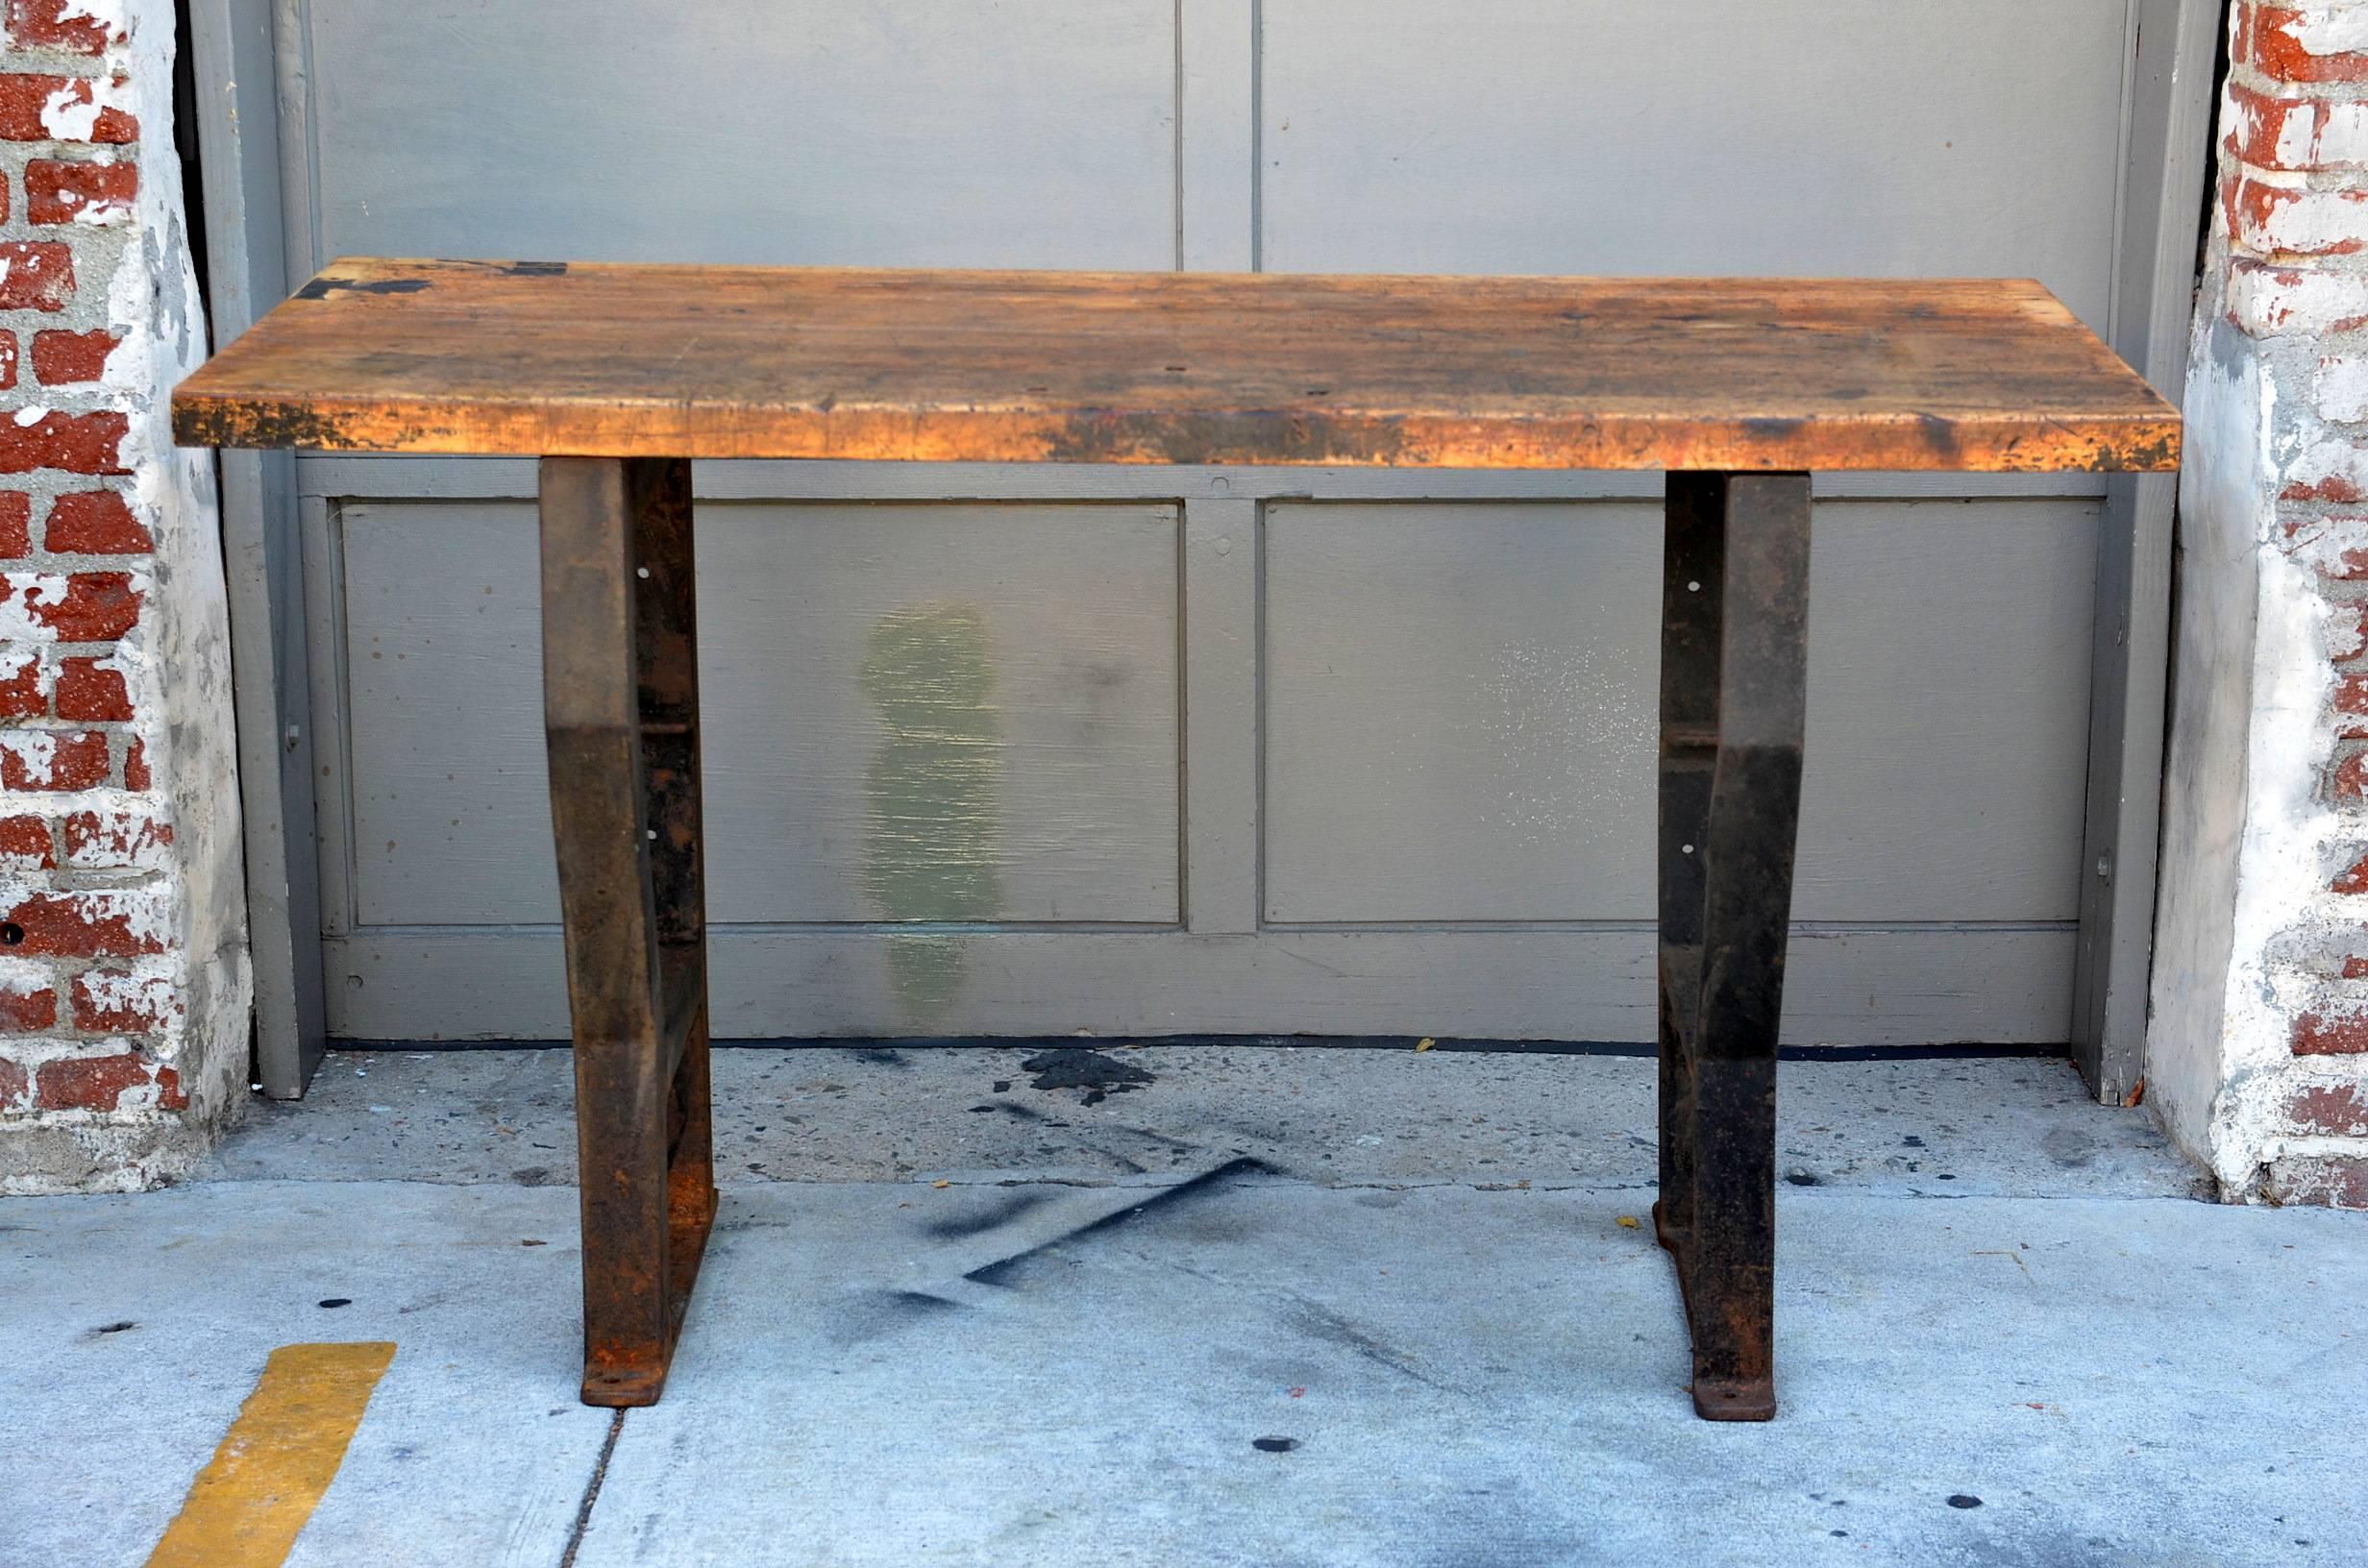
x,y
1735,601
621,714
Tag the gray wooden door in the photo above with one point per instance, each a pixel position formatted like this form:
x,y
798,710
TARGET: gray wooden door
x,y
1050,750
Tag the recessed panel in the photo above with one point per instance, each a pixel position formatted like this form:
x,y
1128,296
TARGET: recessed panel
x,y
1461,711
913,713
862,132
1848,137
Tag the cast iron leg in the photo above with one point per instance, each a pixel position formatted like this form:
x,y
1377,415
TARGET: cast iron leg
x,y
1734,602
621,713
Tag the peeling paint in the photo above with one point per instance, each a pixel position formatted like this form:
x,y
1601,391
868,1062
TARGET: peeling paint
x,y
72,112
2326,31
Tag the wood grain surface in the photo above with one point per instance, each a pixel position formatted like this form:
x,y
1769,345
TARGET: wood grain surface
x,y
714,361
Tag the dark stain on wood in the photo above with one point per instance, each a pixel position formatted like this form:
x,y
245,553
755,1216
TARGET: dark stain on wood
x,y
321,287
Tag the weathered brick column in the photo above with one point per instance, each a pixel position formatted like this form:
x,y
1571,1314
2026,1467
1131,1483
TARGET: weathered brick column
x,y
2257,1051
123,983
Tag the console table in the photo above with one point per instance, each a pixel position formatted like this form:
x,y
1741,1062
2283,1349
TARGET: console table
x,y
618,376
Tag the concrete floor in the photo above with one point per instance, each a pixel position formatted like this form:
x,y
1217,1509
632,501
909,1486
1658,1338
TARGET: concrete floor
x,y
1397,1320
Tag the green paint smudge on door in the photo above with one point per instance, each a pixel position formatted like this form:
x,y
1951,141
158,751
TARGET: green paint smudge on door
x,y
931,822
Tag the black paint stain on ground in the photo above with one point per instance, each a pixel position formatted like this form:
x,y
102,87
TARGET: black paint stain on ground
x,y
1008,1271
1274,1445
320,288
116,1328
337,1301
877,1055
980,1222
1321,1322
1021,1113
1963,1500
1073,1067
875,1314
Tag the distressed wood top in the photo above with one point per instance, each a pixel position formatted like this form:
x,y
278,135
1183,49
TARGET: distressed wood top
x,y
1601,372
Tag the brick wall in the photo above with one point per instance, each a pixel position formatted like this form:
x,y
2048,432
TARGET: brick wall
x,y
122,979
2258,1044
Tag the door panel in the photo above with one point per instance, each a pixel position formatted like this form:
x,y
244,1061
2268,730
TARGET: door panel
x,y
958,133
1462,711
1843,137
912,713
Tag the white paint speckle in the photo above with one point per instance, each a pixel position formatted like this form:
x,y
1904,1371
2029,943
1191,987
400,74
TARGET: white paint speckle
x,y
72,112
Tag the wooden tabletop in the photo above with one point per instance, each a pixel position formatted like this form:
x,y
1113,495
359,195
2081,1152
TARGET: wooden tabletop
x,y
1602,373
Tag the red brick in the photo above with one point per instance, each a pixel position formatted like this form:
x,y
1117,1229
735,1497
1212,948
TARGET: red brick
x,y
25,844
61,358
114,841
2344,1034
28,1012
57,191
2352,705
2353,880
2356,968
78,443
95,522
93,924
135,765
2337,487
90,693
92,607
87,1083
24,97
59,24
2350,784
2330,1110
16,524
2259,124
2333,1181
41,272
8,348
2267,39
54,759
2269,220
130,1006
25,695
15,1084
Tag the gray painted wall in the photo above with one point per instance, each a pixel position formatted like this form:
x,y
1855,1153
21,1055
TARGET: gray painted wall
x,y
1374,756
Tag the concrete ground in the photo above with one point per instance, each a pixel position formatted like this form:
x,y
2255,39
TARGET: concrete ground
x,y
1253,1306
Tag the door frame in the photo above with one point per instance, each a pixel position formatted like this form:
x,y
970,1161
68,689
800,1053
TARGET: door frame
x,y
256,208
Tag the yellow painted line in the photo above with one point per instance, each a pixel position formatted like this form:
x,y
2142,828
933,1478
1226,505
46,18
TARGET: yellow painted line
x,y
278,1456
